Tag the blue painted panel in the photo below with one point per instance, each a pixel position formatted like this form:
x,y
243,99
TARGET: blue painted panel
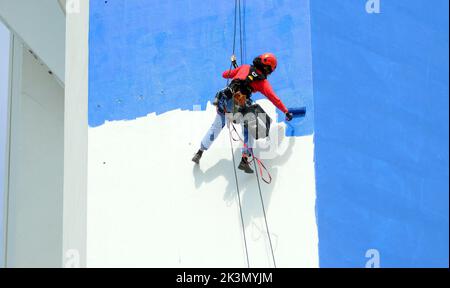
x,y
156,56
381,96
381,84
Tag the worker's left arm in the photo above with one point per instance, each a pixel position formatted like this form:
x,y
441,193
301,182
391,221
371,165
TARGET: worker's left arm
x,y
267,91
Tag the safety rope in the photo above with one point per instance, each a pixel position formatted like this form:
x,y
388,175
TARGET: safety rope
x,y
257,162
244,28
237,8
231,143
265,220
261,166
240,34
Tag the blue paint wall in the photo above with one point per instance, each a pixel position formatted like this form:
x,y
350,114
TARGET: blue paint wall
x,y
156,56
381,132
380,91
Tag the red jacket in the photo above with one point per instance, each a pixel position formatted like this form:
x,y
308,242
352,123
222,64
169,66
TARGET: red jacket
x,y
262,86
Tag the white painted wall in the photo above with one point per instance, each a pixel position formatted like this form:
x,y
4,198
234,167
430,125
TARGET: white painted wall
x,y
5,43
41,25
34,231
150,206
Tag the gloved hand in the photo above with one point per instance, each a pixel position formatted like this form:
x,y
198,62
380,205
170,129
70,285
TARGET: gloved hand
x,y
289,116
234,61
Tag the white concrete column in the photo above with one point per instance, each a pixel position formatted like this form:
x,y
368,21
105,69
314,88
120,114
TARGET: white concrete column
x,y
35,190
5,45
76,128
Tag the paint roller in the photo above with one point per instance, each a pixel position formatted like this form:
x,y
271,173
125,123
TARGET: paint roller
x,y
298,112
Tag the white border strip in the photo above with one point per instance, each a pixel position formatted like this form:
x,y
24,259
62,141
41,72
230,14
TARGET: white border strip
x,y
76,138
7,153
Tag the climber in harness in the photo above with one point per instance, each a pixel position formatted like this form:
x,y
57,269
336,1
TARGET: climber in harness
x,y
236,98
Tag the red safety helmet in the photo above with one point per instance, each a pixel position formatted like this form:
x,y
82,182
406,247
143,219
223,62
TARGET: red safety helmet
x,y
266,62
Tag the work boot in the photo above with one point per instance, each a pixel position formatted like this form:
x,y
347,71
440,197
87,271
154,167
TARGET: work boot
x,y
245,166
197,157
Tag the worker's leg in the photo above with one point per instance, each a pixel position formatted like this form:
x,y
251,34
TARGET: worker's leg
x,y
211,135
213,132
223,102
248,140
246,151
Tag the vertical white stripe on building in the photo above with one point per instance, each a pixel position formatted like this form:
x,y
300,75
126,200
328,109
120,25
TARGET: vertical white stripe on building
x,y
4,95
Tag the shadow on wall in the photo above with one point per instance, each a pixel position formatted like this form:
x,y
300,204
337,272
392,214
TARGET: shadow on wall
x,y
247,183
